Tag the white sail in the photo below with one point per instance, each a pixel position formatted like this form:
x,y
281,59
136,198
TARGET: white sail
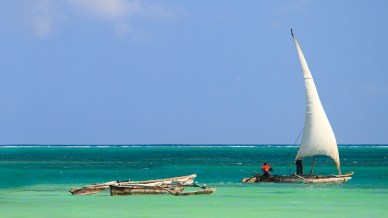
x,y
318,136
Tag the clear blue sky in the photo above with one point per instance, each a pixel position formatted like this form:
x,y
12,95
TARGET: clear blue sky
x,y
173,71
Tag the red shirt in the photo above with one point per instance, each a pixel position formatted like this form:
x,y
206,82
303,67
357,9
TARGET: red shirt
x,y
266,168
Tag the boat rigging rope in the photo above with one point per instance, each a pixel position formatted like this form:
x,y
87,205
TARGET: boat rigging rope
x,y
289,153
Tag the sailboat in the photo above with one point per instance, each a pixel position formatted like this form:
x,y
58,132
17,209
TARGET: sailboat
x,y
318,137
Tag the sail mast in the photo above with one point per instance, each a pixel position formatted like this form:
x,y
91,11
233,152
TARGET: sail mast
x,y
318,136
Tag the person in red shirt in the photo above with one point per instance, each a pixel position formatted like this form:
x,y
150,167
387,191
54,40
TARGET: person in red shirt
x,y
266,170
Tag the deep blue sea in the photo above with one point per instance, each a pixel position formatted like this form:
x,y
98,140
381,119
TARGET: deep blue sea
x,y
35,179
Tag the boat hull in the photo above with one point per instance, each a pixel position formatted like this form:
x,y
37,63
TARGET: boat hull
x,y
274,179
315,179
87,190
92,189
116,190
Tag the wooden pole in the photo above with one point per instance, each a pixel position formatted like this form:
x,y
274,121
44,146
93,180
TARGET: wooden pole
x,y
312,166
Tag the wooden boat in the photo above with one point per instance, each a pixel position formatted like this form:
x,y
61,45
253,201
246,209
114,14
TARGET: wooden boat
x,y
95,188
156,189
318,137
144,189
308,179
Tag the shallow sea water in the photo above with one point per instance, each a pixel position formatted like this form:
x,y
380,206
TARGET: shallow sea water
x,y
35,182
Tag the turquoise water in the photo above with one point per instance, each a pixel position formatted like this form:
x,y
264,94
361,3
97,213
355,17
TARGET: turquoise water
x,y
35,181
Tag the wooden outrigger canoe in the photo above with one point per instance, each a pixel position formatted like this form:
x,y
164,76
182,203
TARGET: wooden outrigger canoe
x,y
95,188
313,179
155,189
144,189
